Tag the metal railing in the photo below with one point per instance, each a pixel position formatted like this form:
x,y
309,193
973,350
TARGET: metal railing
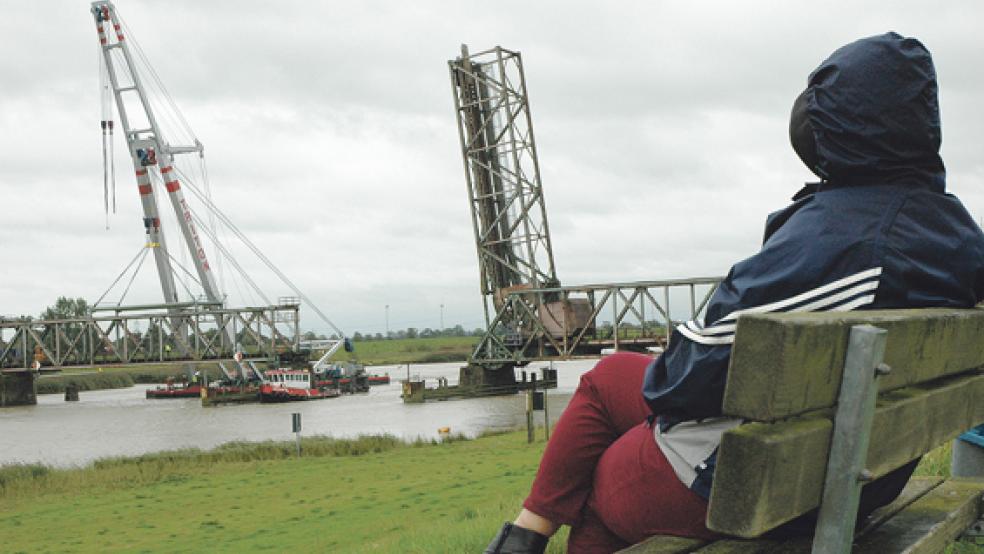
x,y
570,321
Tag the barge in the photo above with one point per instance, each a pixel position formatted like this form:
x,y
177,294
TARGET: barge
x,y
218,393
171,390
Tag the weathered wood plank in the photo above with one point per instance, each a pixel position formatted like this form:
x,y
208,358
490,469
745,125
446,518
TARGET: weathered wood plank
x,y
768,474
930,523
741,546
788,364
914,490
664,544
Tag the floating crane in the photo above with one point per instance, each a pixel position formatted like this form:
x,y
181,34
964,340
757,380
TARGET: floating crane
x,y
154,160
152,156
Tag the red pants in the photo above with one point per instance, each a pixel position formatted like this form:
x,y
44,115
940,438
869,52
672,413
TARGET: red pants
x,y
602,472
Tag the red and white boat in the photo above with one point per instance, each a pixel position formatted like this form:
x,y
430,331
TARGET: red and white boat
x,y
285,385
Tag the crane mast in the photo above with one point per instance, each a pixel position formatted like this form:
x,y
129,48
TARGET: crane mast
x,y
153,159
152,156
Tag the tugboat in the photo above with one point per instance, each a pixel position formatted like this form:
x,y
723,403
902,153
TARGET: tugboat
x,y
285,385
351,377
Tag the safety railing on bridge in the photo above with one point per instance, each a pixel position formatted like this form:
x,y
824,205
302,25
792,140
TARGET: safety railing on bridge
x,y
163,336
565,322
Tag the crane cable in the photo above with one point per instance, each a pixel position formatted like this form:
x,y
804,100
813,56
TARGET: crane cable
x,y
259,254
142,252
133,277
102,123
213,209
106,124
191,295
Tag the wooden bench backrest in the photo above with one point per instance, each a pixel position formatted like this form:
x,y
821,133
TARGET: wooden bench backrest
x,y
785,374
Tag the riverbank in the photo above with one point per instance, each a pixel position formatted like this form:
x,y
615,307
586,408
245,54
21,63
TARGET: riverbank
x,y
370,494
116,377
416,351
370,353
374,494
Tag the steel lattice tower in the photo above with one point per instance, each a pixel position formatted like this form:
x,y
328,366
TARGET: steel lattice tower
x,y
503,177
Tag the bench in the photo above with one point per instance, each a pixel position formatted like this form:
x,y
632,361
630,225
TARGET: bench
x,y
806,384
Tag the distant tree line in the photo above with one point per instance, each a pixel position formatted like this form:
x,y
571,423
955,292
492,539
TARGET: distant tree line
x,y
408,333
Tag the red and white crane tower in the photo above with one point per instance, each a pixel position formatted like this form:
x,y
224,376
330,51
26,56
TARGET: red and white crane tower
x,y
154,160
153,157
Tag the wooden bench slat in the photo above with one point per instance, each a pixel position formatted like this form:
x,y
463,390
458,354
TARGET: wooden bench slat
x,y
788,364
741,546
915,489
930,523
768,474
664,544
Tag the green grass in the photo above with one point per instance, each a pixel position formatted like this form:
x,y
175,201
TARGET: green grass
x,y
373,494
156,373
117,377
399,351
936,462
370,494
51,384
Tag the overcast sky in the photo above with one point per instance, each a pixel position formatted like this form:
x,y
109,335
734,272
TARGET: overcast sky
x,y
331,141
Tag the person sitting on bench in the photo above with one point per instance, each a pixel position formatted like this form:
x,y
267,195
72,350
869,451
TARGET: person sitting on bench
x,y
633,455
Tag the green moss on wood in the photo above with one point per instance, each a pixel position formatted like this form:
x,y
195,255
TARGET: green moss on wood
x,y
786,364
768,474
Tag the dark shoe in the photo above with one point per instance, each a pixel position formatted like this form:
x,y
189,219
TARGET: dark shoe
x,y
513,539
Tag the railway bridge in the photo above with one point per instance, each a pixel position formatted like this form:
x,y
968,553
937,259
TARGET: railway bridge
x,y
180,333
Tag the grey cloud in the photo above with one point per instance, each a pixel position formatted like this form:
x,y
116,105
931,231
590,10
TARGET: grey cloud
x,y
331,139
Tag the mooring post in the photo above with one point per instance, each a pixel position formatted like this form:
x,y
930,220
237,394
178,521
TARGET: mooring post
x,y
546,417
529,409
296,423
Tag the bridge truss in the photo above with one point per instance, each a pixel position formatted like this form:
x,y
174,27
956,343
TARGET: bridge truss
x,y
633,316
528,314
163,336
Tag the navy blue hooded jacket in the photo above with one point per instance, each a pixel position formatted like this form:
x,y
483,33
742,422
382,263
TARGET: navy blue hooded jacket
x,y
879,232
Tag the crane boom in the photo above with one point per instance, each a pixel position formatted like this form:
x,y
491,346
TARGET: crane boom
x,y
151,154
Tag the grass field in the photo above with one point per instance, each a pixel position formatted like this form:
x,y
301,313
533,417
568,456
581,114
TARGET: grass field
x,y
116,377
380,496
373,494
426,350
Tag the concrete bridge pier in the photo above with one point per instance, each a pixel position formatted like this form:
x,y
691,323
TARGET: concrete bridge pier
x,y
17,388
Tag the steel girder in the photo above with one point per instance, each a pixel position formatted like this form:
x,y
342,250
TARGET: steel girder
x,y
502,173
149,337
640,316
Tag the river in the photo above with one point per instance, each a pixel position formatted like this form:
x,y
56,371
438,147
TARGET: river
x,y
122,422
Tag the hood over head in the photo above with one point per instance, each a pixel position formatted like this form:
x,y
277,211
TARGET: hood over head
x,y
874,114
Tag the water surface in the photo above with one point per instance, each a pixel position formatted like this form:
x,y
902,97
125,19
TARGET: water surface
x,y
123,422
